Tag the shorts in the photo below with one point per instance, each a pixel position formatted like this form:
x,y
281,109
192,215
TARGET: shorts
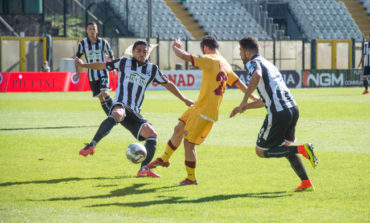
x,y
278,128
98,85
196,127
367,70
133,121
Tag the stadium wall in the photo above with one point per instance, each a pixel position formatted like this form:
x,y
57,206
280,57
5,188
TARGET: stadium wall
x,y
27,54
184,80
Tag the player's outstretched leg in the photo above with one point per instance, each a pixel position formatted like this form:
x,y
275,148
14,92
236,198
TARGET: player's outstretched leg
x,y
163,160
307,151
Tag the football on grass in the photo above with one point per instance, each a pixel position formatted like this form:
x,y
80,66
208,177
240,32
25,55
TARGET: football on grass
x,y
136,152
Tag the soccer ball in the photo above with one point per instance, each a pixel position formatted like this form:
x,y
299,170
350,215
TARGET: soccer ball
x,y
136,152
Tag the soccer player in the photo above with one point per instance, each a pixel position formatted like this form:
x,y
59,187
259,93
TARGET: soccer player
x,y
365,59
96,49
278,129
135,74
195,124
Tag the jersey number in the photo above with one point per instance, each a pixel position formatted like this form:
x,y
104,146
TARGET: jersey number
x,y
221,89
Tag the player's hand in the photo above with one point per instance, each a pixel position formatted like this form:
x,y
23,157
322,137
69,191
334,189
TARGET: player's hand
x,y
114,72
177,43
240,109
188,102
78,61
76,77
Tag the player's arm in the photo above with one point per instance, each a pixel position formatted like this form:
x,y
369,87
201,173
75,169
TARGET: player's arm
x,y
176,47
175,91
361,61
251,87
239,84
94,66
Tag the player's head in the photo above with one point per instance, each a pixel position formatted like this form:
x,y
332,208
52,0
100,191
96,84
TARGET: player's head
x,y
209,44
248,48
140,51
92,29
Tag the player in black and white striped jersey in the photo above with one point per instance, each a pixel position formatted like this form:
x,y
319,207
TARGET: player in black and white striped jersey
x,y
135,75
278,129
365,60
96,49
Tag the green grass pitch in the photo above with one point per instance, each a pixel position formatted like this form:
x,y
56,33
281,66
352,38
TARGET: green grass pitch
x,y
42,178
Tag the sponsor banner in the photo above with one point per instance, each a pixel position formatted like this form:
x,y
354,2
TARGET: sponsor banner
x,y
3,81
331,78
183,79
292,78
36,82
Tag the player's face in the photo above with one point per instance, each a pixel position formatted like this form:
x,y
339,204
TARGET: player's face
x,y
243,55
92,30
141,53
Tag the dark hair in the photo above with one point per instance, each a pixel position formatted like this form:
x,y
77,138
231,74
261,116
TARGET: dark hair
x,y
210,42
91,23
140,42
249,43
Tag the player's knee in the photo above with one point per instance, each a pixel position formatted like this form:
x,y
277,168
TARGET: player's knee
x,y
179,128
147,131
259,152
118,113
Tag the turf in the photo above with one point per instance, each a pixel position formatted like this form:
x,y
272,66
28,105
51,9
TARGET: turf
x,y
42,178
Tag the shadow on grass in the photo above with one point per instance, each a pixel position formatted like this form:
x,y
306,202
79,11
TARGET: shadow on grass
x,y
134,189
53,127
179,200
55,181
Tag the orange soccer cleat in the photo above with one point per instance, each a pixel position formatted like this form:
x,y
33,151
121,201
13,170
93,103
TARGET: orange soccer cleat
x,y
87,150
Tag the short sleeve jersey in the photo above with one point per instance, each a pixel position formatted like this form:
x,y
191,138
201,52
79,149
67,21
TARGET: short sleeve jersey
x,y
133,79
216,72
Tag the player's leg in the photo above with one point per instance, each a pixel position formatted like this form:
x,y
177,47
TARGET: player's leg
x,y
118,114
190,163
104,98
366,84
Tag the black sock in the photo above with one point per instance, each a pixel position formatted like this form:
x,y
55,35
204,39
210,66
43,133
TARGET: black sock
x,y
297,166
366,84
150,145
104,128
109,101
105,107
280,151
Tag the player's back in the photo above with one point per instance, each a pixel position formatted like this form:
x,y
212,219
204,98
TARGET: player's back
x,y
216,72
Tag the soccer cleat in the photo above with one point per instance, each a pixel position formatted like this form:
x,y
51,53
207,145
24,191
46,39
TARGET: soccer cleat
x,y
366,92
308,147
88,150
306,185
187,182
146,172
158,162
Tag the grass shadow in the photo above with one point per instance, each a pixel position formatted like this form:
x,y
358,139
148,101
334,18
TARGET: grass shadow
x,y
133,189
179,200
56,181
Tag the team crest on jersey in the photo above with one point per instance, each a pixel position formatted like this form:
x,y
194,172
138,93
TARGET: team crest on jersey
x,y
185,132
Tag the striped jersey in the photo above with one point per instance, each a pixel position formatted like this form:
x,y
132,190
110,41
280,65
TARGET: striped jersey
x,y
271,87
366,52
95,52
133,79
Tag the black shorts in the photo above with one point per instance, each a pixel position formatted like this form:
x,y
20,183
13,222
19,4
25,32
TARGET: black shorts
x,y
133,121
98,85
367,70
278,128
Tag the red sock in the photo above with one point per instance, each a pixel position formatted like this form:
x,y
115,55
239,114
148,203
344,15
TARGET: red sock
x,y
302,151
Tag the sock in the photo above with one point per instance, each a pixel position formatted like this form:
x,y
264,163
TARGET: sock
x,y
170,148
302,151
105,107
366,84
190,169
297,166
108,101
280,151
150,145
104,128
